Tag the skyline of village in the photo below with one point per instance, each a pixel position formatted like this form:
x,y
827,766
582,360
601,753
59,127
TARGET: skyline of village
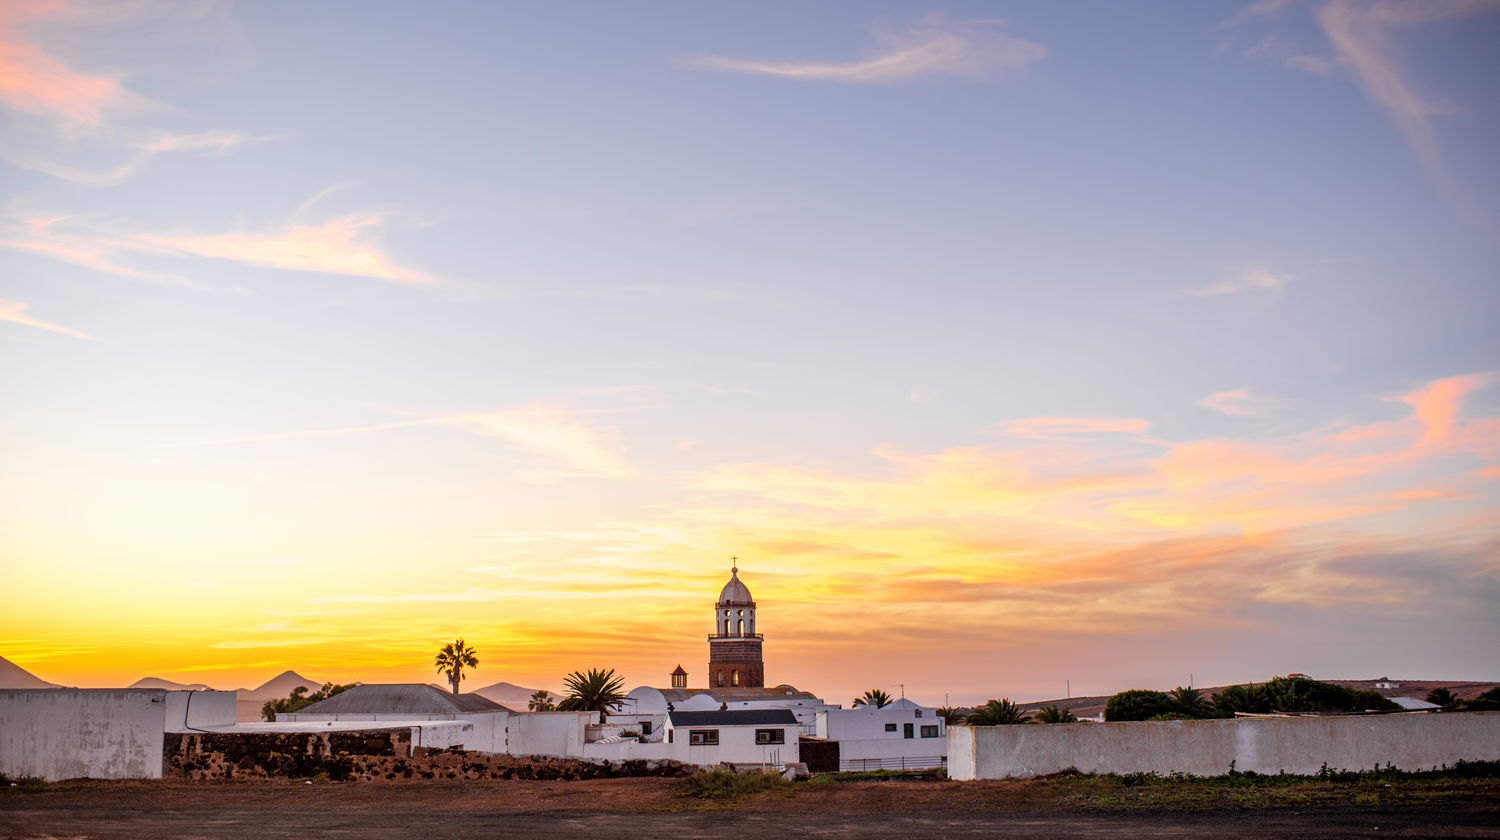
x,y
1013,348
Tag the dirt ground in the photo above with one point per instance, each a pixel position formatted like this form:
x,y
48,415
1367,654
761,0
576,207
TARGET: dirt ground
x,y
640,808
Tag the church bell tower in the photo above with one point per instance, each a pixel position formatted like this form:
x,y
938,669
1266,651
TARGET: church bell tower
x,y
734,654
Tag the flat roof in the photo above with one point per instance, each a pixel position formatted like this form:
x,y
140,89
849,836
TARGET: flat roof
x,y
734,717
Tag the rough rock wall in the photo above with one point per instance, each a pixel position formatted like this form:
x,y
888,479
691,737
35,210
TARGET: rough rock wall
x,y
373,755
216,755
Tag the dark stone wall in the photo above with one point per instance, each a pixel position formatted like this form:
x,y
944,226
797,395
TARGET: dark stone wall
x,y
371,755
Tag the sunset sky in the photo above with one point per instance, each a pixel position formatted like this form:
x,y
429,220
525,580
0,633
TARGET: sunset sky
x,y
1010,346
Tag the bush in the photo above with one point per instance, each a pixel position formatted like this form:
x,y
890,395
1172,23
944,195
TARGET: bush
x,y
1138,704
725,783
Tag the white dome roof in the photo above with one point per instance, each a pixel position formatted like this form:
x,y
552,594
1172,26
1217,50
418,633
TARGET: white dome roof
x,y
734,591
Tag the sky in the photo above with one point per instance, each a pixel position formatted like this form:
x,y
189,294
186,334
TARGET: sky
x,y
1013,348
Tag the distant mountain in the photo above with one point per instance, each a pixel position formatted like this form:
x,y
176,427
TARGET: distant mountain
x,y
158,682
14,676
510,695
281,686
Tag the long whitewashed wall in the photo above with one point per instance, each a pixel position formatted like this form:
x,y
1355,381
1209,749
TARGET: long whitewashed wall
x,y
1300,745
69,734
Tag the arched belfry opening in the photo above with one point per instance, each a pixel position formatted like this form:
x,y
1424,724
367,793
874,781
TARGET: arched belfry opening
x,y
734,648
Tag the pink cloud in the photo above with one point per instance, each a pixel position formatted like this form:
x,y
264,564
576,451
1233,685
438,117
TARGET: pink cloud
x,y
33,81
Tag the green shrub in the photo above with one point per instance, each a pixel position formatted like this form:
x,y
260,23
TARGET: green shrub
x,y
724,783
1138,704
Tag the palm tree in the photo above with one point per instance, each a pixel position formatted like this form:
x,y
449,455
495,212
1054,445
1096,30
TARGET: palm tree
x,y
1241,698
997,713
874,697
597,691
1442,697
950,715
1189,701
1054,714
541,701
453,659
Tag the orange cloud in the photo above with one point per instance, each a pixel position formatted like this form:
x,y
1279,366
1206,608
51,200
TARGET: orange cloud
x,y
12,311
35,82
342,246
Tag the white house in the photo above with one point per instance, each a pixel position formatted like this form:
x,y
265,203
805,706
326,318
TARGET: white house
x,y
766,737
899,736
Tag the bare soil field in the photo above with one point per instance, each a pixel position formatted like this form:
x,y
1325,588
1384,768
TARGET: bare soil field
x,y
1080,807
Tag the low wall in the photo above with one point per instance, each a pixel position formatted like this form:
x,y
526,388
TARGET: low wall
x,y
547,733
371,755
1299,745
69,733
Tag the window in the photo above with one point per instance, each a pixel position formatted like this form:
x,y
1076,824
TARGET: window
x,y
734,677
906,730
721,679
918,714
928,731
890,727
770,736
741,628
646,728
703,737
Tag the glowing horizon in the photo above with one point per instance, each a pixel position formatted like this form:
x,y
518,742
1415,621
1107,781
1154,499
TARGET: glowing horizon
x,y
1002,359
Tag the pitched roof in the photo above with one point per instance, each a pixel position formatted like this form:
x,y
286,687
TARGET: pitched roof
x,y
679,672
734,717
406,698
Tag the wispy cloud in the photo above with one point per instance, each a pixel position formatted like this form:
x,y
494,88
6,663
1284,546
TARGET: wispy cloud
x,y
140,155
33,81
568,440
14,312
349,246
1251,279
346,246
934,46
63,113
1240,402
1363,36
1053,428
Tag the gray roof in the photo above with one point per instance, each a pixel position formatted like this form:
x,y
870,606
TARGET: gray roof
x,y
734,717
404,698
1412,704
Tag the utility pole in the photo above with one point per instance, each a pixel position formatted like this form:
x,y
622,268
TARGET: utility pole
x,y
1070,689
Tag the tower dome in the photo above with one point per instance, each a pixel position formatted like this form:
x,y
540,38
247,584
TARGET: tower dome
x,y
735,592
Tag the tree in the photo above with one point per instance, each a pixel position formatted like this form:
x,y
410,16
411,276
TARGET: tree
x,y
1054,714
597,691
541,701
453,659
950,715
1190,702
299,699
1486,702
1138,704
997,713
874,697
1442,697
